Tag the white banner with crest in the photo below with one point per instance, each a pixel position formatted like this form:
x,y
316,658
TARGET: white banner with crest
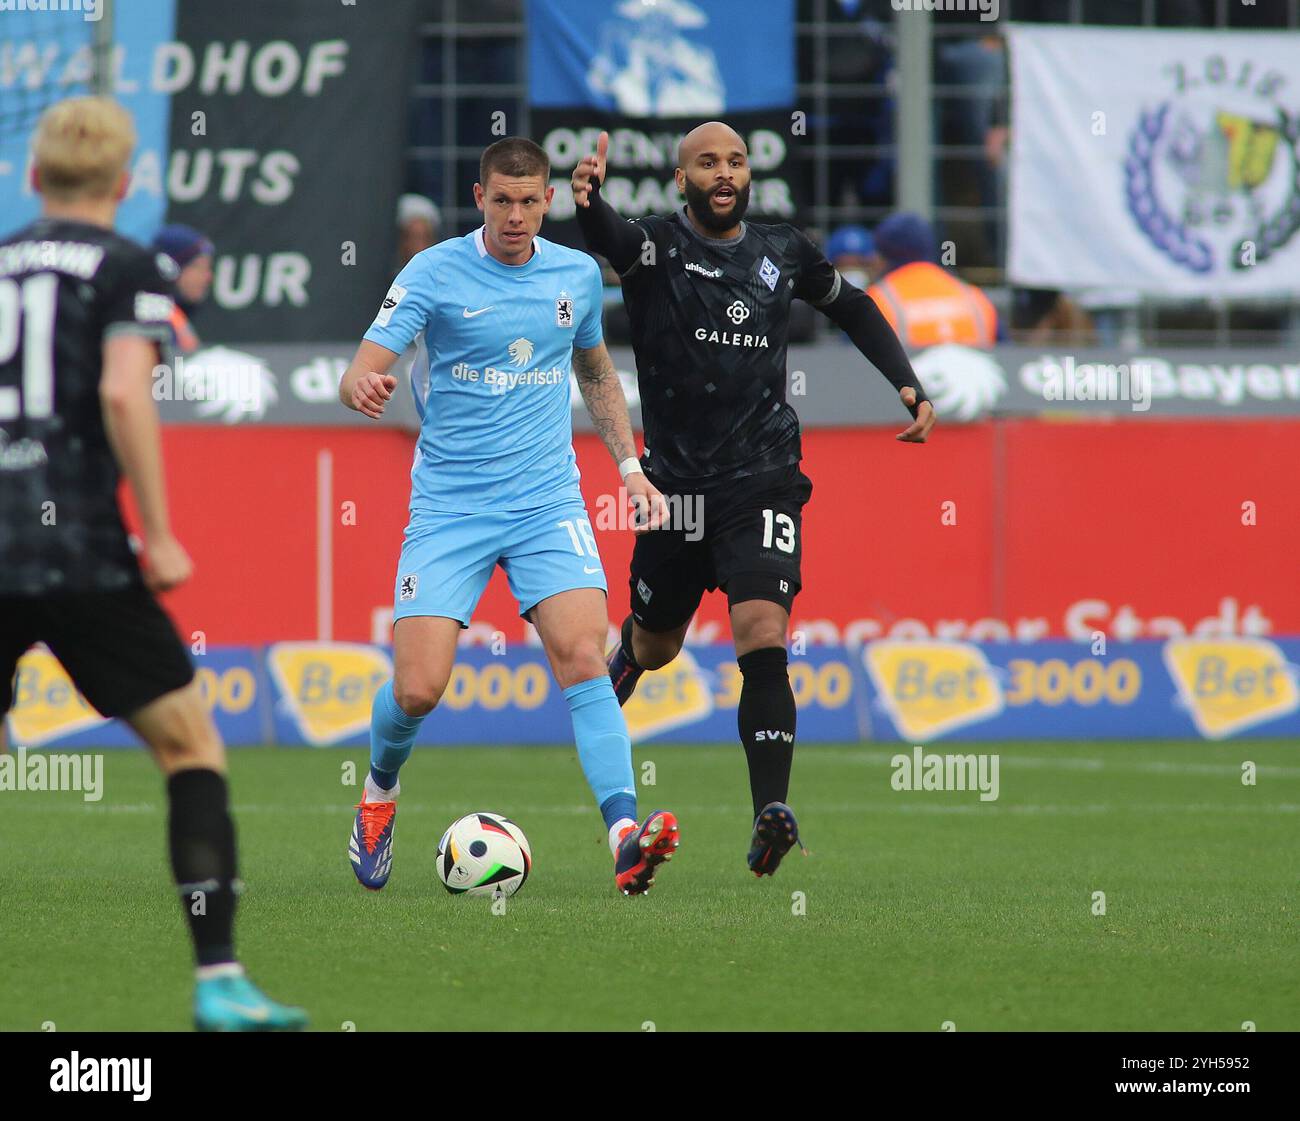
x,y
1166,162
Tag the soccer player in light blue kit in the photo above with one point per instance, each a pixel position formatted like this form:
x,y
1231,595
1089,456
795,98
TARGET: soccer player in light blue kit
x,y
504,315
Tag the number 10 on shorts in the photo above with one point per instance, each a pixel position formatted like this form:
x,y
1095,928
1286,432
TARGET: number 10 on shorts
x,y
782,522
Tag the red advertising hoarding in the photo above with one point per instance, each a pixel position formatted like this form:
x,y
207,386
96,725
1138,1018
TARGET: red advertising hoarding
x,y
1009,529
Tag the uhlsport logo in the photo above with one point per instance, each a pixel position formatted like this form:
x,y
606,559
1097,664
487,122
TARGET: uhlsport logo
x,y
326,688
703,270
1212,177
1229,685
931,688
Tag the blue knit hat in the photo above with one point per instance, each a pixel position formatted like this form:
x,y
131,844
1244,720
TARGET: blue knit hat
x,y
849,241
182,244
903,238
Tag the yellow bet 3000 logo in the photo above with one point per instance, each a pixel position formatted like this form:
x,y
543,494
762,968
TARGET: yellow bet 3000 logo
x,y
46,704
328,687
1229,685
668,698
929,688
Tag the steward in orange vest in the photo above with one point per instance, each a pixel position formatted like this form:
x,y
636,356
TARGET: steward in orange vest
x,y
925,304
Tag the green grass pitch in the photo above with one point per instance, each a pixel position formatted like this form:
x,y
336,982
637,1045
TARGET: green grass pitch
x,y
921,907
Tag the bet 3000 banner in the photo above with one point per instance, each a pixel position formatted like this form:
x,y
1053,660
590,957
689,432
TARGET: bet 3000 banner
x,y
1163,161
319,694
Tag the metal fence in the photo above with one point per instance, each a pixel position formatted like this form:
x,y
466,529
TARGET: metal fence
x,y
854,69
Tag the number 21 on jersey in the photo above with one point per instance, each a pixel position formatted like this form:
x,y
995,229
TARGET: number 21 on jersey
x,y
32,307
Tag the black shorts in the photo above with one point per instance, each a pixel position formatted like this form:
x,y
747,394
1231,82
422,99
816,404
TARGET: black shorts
x,y
120,648
747,539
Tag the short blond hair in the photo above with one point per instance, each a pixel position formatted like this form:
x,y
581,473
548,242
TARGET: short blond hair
x,y
82,147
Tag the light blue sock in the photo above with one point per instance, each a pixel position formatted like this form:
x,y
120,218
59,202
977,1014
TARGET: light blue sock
x,y
392,735
604,749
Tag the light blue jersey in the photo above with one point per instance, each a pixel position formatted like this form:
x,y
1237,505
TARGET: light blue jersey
x,y
492,386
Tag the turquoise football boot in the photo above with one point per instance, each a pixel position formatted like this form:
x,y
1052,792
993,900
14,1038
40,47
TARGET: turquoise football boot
x,y
231,1002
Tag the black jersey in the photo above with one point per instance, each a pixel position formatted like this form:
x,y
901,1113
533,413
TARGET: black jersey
x,y
709,321
65,287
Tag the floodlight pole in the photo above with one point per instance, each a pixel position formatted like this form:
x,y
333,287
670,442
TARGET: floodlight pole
x,y
914,122
102,81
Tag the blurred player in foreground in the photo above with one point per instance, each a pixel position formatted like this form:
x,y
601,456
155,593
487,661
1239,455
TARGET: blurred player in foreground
x,y
708,297
503,315
82,313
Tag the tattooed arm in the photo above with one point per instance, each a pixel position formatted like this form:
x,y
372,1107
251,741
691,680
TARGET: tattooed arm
x,y
602,393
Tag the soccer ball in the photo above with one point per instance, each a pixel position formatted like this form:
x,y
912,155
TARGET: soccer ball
x,y
484,853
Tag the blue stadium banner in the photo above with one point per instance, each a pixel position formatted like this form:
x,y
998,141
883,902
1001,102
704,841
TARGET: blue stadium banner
x,y
48,709
323,693
319,694
277,129
648,74
661,58
47,54
1210,688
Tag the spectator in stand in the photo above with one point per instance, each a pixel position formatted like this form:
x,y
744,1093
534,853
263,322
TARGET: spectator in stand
x,y
849,249
1046,317
419,224
192,252
924,303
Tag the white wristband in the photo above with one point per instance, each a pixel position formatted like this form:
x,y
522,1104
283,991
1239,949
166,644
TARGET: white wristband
x,y
631,465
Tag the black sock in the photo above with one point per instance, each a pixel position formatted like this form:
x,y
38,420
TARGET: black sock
x,y
624,672
202,840
766,718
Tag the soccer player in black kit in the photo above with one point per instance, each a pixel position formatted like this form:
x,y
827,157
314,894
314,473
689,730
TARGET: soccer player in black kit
x,y
708,297
82,313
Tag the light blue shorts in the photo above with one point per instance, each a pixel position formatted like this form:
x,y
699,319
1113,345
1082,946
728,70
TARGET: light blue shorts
x,y
448,558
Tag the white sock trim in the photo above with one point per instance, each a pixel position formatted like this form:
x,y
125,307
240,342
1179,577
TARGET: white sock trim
x,y
225,969
376,793
616,830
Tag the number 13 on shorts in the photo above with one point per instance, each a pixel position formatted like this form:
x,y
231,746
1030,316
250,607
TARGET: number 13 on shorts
x,y
783,525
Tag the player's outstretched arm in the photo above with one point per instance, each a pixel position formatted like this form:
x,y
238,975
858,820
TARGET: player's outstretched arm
x,y
367,386
135,435
856,314
604,231
602,393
